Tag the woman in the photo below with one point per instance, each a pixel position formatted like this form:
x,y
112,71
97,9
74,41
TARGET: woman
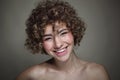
x,y
54,28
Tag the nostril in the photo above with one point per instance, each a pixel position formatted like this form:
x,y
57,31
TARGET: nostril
x,y
57,43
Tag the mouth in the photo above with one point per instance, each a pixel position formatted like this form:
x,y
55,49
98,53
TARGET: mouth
x,y
61,52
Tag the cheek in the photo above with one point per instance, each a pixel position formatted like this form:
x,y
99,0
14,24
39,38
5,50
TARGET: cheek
x,y
69,38
47,46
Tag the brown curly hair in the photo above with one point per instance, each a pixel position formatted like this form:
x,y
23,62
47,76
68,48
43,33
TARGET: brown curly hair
x,y
48,12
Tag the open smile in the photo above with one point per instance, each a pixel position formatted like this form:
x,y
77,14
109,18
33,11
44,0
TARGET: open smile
x,y
61,52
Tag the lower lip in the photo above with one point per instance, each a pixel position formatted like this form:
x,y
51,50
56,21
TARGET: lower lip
x,y
61,53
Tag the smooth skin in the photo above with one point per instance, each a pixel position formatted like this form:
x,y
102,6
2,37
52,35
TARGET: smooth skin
x,y
64,65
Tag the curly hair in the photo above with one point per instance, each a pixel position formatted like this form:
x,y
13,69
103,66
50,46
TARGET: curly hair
x,y
48,12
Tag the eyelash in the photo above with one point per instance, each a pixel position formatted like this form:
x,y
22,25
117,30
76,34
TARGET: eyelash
x,y
63,33
46,39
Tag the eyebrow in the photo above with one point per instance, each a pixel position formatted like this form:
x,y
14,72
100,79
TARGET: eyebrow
x,y
47,35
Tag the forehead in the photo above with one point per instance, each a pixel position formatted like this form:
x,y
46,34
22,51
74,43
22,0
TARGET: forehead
x,y
54,27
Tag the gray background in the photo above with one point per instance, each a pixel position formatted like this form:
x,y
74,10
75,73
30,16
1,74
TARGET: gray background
x,y
100,44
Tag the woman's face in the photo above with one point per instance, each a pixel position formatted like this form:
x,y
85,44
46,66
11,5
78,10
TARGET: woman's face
x,y
58,42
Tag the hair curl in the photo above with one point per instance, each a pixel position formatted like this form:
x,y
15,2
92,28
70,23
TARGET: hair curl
x,y
48,12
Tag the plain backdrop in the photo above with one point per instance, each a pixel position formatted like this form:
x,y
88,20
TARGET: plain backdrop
x,y
101,43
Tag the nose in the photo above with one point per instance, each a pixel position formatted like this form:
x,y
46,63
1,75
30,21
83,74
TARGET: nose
x,y
57,43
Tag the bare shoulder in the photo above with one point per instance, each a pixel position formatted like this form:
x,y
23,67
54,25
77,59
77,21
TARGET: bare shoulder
x,y
97,71
32,73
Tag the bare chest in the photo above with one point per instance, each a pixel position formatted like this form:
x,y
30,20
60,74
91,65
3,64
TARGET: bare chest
x,y
73,76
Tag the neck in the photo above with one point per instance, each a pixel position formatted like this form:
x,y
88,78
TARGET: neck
x,y
69,65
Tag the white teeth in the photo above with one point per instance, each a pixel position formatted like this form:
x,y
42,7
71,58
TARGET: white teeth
x,y
61,50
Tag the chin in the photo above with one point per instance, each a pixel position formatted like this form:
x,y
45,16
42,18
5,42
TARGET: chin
x,y
65,56
63,59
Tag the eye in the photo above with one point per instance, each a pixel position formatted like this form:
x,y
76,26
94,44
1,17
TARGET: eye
x,y
47,39
63,33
